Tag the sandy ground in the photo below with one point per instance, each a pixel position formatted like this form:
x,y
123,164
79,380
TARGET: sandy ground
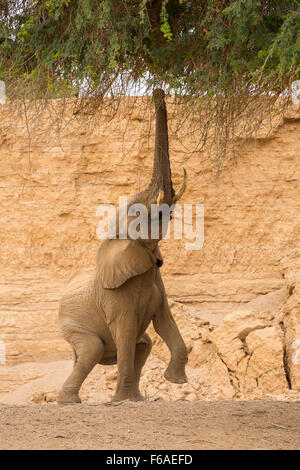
x,y
172,417
152,425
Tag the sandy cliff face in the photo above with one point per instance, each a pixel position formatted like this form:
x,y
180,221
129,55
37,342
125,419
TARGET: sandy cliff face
x,y
52,178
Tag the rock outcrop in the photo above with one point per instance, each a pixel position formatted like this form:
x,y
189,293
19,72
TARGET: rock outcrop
x,y
291,317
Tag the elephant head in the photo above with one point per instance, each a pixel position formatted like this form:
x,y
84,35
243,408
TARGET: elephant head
x,y
120,259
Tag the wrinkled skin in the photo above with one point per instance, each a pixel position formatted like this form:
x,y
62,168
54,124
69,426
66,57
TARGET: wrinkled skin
x,y
104,317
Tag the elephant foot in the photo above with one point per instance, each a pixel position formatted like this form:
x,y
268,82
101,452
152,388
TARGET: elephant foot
x,y
138,397
124,397
173,376
68,398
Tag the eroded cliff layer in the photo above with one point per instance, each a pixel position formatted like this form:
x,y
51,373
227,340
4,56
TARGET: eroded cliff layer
x,y
54,174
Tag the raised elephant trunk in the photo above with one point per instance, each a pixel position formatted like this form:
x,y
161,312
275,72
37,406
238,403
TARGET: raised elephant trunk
x,y
160,190
161,180
161,176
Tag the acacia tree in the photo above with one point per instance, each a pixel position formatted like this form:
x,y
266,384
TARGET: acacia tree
x,y
222,53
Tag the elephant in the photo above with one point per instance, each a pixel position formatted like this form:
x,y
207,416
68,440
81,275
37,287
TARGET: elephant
x,y
104,317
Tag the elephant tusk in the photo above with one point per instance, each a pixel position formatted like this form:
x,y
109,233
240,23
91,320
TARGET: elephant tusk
x,y
160,197
181,191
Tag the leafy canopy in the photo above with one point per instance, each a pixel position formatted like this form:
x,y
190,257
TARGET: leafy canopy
x,y
189,46
225,61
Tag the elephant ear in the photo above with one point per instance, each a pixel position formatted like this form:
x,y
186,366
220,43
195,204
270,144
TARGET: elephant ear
x,y
119,260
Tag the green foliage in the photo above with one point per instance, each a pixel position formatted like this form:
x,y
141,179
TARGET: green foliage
x,y
217,46
165,25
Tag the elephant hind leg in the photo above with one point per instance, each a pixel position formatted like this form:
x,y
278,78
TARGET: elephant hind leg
x,y
75,358
88,350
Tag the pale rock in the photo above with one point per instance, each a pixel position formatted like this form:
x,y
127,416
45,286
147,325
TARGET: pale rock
x,y
200,353
214,376
205,335
177,394
191,397
163,386
228,338
265,368
291,316
163,396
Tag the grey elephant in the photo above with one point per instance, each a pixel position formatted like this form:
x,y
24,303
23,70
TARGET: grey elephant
x,y
105,317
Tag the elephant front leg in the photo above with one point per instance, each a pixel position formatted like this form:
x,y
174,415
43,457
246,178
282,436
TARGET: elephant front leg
x,y
164,324
125,337
142,351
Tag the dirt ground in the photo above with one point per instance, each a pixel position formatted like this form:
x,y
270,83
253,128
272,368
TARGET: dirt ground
x,y
152,425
